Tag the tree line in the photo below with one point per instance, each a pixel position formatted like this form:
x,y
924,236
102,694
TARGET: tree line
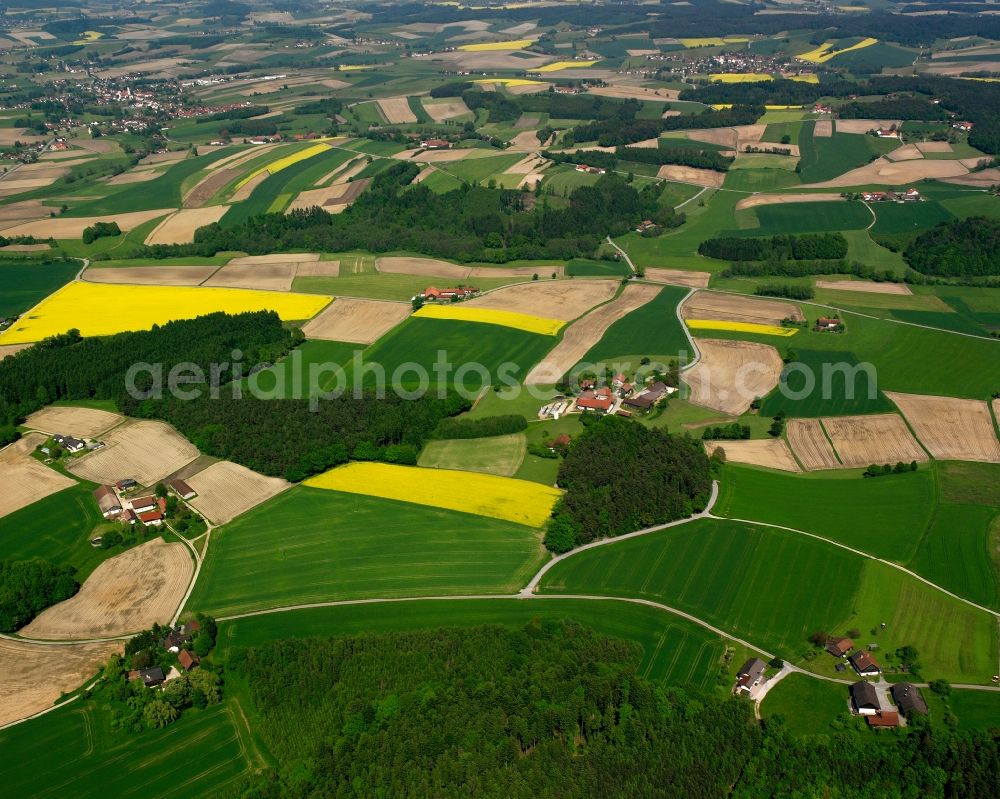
x,y
462,427
807,246
685,156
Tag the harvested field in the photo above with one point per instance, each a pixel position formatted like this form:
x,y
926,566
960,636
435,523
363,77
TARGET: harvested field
x,y
356,321
34,676
276,258
425,173
205,189
883,171
6,350
346,194
317,269
343,173
732,374
678,277
908,152
10,135
734,308
690,174
63,227
226,489
526,165
25,209
775,199
396,110
125,594
179,228
429,267
552,299
26,247
516,271
67,420
867,286
771,453
443,156
864,125
168,157
143,450
136,176
934,147
583,334
880,438
151,275
320,198
267,277
525,141
244,191
95,145
811,445
634,92
24,479
951,429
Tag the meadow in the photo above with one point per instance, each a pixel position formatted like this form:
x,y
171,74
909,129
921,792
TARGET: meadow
x,y
808,706
674,650
73,751
141,307
826,157
652,329
314,545
27,282
786,218
480,494
500,455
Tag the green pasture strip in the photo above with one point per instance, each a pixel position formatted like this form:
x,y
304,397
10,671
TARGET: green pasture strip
x,y
500,455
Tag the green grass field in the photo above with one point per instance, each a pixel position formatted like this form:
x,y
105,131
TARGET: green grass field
x,y
74,752
897,218
808,706
483,348
308,370
478,170
774,588
811,217
674,651
312,545
825,158
494,455
748,175
26,283
825,383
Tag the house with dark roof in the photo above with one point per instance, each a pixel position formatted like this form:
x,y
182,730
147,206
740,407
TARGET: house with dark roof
x,y
908,699
749,675
181,489
142,504
152,676
864,664
838,647
107,501
864,699
126,484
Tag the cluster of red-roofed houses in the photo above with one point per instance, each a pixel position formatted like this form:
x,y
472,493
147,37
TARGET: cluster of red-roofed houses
x,y
621,397
908,196
146,509
434,294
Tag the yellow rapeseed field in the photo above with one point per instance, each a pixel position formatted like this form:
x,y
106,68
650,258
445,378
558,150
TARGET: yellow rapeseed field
x,y
483,47
721,106
741,327
811,78
284,163
555,66
98,309
740,77
488,316
510,81
822,54
713,41
517,501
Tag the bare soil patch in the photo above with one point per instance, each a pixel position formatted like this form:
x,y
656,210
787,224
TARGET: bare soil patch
x,y
734,308
62,227
7,350
732,374
429,267
343,194
584,333
151,275
950,428
772,453
125,594
447,109
883,171
864,125
776,199
444,156
517,271
425,173
678,277
934,147
689,174
136,176
226,489
143,450
168,157
25,209
635,92
244,191
551,299
908,152
276,258
9,136
272,277
867,286
205,189
179,228
26,248
318,269
70,421
811,445
34,676
864,440
355,320
396,110
95,145
24,479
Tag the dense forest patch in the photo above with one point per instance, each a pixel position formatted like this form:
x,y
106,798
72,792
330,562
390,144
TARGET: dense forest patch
x,y
961,248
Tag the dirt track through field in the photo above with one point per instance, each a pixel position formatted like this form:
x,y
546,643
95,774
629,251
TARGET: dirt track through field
x,y
866,286
72,421
733,308
34,676
355,320
879,438
179,228
125,594
678,277
150,275
732,374
24,479
772,453
583,334
950,428
143,450
551,299
226,489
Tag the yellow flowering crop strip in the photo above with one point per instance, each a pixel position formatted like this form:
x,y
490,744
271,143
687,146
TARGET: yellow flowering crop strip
x,y
284,163
811,78
517,501
555,66
740,77
484,47
822,54
102,309
741,327
488,316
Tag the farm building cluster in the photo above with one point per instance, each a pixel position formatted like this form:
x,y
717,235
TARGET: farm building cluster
x,y
872,702
908,196
455,294
147,509
622,397
177,641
